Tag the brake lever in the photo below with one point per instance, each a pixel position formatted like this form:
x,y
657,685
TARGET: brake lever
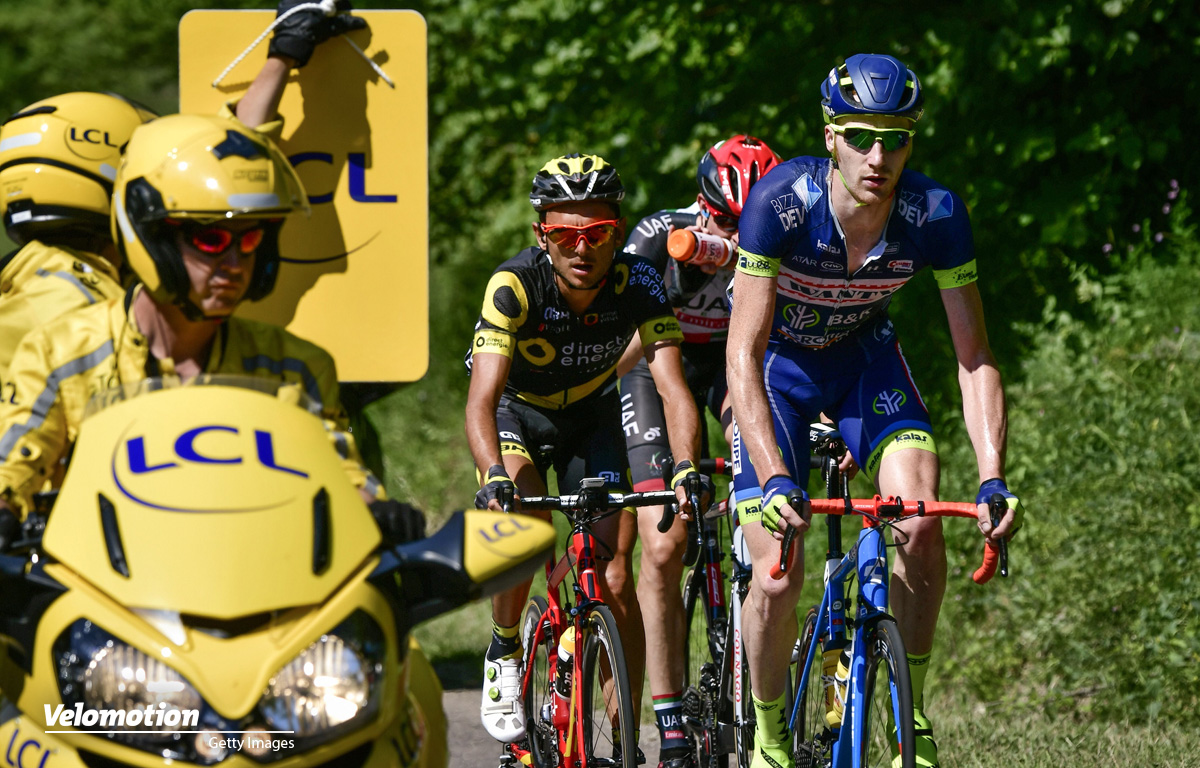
x,y
997,506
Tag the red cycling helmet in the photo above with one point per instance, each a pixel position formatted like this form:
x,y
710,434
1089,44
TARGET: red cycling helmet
x,y
730,168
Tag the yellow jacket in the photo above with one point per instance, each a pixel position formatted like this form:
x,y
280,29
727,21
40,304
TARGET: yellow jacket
x,y
42,282
57,368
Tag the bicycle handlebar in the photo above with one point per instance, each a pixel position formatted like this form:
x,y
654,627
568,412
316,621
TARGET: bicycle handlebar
x,y
897,508
597,501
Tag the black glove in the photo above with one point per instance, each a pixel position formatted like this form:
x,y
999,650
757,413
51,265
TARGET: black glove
x,y
10,526
398,522
497,485
299,34
694,482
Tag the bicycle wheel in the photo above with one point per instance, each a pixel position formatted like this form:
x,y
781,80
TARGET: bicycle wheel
x,y
609,724
745,724
887,692
543,738
696,647
811,737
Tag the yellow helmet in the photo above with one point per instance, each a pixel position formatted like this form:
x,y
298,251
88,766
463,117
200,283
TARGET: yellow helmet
x,y
203,168
58,159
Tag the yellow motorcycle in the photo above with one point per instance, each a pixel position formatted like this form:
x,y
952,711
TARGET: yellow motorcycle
x,y
210,589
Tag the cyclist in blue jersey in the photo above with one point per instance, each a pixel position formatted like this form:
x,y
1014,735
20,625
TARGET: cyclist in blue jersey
x,y
825,242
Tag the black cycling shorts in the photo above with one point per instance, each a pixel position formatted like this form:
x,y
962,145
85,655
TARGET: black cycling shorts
x,y
642,417
582,440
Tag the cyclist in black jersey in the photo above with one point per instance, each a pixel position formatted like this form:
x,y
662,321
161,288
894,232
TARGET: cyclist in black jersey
x,y
543,368
698,297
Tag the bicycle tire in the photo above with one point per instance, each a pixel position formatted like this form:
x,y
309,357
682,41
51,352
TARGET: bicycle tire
x,y
811,737
746,724
542,736
602,648
697,650
885,651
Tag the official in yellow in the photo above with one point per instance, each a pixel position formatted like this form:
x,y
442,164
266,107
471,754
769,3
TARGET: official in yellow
x,y
58,160
198,206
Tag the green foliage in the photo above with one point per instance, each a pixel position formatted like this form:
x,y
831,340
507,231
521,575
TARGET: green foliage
x,y
1103,613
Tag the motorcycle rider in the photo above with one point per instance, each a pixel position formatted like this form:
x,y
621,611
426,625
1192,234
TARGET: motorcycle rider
x,y
58,158
198,205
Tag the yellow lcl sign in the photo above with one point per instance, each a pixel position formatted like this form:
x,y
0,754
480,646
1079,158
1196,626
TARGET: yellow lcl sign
x,y
355,277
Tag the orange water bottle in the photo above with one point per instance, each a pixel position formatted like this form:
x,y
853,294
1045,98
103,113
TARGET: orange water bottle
x,y
699,248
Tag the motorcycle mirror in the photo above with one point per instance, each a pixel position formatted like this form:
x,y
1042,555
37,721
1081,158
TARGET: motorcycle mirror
x,y
475,554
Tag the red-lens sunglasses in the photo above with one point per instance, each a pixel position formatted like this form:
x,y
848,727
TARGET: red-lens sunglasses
x,y
214,239
723,220
567,236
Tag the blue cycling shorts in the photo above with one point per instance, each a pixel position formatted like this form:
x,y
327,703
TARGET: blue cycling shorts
x,y
862,383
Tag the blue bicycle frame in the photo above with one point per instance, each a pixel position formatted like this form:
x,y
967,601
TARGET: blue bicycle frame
x,y
868,560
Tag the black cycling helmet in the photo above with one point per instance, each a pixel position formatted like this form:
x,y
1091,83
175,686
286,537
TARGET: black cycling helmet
x,y
574,178
872,84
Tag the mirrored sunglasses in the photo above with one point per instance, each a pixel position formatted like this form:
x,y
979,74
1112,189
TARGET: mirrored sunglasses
x,y
862,138
214,239
567,236
723,220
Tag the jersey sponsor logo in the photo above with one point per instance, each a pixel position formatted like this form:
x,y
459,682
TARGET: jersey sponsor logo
x,y
621,271
850,318
753,264
824,247
579,353
553,313
504,435
900,265
891,249
791,218
939,204
831,266
783,202
652,225
628,416
799,316
889,403
610,477
537,351
808,190
911,213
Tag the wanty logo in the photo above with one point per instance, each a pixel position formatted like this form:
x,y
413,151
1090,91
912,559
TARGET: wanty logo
x,y
888,403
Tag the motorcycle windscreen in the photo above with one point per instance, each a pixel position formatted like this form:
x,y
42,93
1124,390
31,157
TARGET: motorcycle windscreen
x,y
209,500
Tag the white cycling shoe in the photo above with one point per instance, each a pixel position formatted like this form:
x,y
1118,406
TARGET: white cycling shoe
x,y
500,709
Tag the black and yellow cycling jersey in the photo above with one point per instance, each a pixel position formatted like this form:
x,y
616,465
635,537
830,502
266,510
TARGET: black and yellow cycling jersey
x,y
559,357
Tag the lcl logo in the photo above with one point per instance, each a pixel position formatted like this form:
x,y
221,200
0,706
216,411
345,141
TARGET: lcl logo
x,y
357,162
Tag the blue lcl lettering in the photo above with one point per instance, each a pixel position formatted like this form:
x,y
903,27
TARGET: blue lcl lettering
x,y
266,453
358,181
320,157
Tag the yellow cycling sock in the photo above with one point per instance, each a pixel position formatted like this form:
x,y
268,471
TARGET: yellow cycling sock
x,y
772,721
918,665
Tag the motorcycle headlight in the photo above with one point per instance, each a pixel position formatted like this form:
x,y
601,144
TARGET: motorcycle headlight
x,y
109,686
331,688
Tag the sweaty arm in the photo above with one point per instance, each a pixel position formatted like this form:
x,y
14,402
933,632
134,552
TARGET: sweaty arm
x,y
749,329
979,379
984,409
489,373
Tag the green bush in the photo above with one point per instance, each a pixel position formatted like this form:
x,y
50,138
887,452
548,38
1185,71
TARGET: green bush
x,y
1102,613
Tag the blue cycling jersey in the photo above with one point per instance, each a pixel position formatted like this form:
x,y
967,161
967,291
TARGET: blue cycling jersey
x,y
789,232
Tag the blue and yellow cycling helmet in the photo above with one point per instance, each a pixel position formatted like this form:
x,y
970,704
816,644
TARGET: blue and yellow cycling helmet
x,y
872,84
